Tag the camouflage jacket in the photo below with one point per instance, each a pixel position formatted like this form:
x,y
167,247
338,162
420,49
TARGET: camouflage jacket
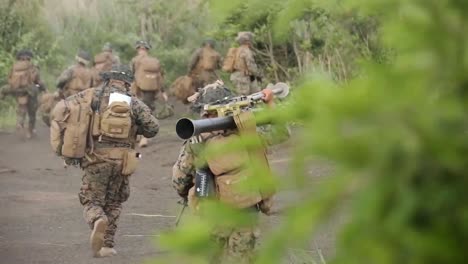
x,y
245,61
67,76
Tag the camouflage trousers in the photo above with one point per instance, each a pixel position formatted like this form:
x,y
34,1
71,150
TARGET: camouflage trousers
x,y
243,84
149,98
102,193
28,109
237,245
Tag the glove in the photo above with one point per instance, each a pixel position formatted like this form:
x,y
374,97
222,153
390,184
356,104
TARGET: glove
x,y
183,201
265,206
268,95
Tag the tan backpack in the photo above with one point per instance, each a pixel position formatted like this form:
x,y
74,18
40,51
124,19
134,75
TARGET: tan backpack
x,y
70,123
81,79
209,59
182,88
229,61
103,61
148,74
21,75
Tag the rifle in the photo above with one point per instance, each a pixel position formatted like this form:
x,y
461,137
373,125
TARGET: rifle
x,y
225,109
184,205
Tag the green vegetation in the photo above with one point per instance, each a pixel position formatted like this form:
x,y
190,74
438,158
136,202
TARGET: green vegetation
x,y
380,89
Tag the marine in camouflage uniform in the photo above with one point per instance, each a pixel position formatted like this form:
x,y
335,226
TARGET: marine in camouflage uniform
x,y
78,72
203,65
104,188
237,244
27,96
108,48
149,97
246,74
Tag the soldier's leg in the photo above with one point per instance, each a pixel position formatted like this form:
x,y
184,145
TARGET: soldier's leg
x,y
21,111
32,110
254,87
149,98
92,196
241,83
119,191
241,245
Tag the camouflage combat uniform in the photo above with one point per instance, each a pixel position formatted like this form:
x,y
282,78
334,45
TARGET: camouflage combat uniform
x,y
246,73
76,78
203,65
28,93
237,244
104,188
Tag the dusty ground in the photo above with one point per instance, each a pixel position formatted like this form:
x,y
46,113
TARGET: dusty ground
x,y
41,218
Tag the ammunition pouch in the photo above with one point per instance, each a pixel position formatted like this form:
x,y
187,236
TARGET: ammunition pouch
x,y
127,158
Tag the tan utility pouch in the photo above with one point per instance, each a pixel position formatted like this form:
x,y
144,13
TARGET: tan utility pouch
x,y
230,190
116,121
130,162
22,100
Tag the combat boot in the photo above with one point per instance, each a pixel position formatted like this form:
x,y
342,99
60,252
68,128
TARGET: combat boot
x,y
107,252
30,133
143,142
97,236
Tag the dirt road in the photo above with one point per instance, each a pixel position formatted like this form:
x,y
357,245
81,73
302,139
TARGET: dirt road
x,y
41,219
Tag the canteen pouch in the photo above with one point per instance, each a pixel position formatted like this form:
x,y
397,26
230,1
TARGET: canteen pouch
x,y
130,162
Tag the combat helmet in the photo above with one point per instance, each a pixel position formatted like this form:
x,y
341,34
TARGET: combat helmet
x,y
107,47
211,94
244,37
142,43
119,72
24,53
210,42
83,57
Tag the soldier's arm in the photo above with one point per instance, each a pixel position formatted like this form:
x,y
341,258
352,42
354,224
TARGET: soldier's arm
x,y
194,60
64,78
183,171
38,81
250,63
147,124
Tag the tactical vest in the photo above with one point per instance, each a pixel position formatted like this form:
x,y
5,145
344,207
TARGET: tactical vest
x,y
21,75
209,59
81,79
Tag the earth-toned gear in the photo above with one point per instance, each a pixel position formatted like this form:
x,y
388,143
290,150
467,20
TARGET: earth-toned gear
x,y
83,57
110,158
24,53
142,44
25,84
119,72
244,37
210,94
